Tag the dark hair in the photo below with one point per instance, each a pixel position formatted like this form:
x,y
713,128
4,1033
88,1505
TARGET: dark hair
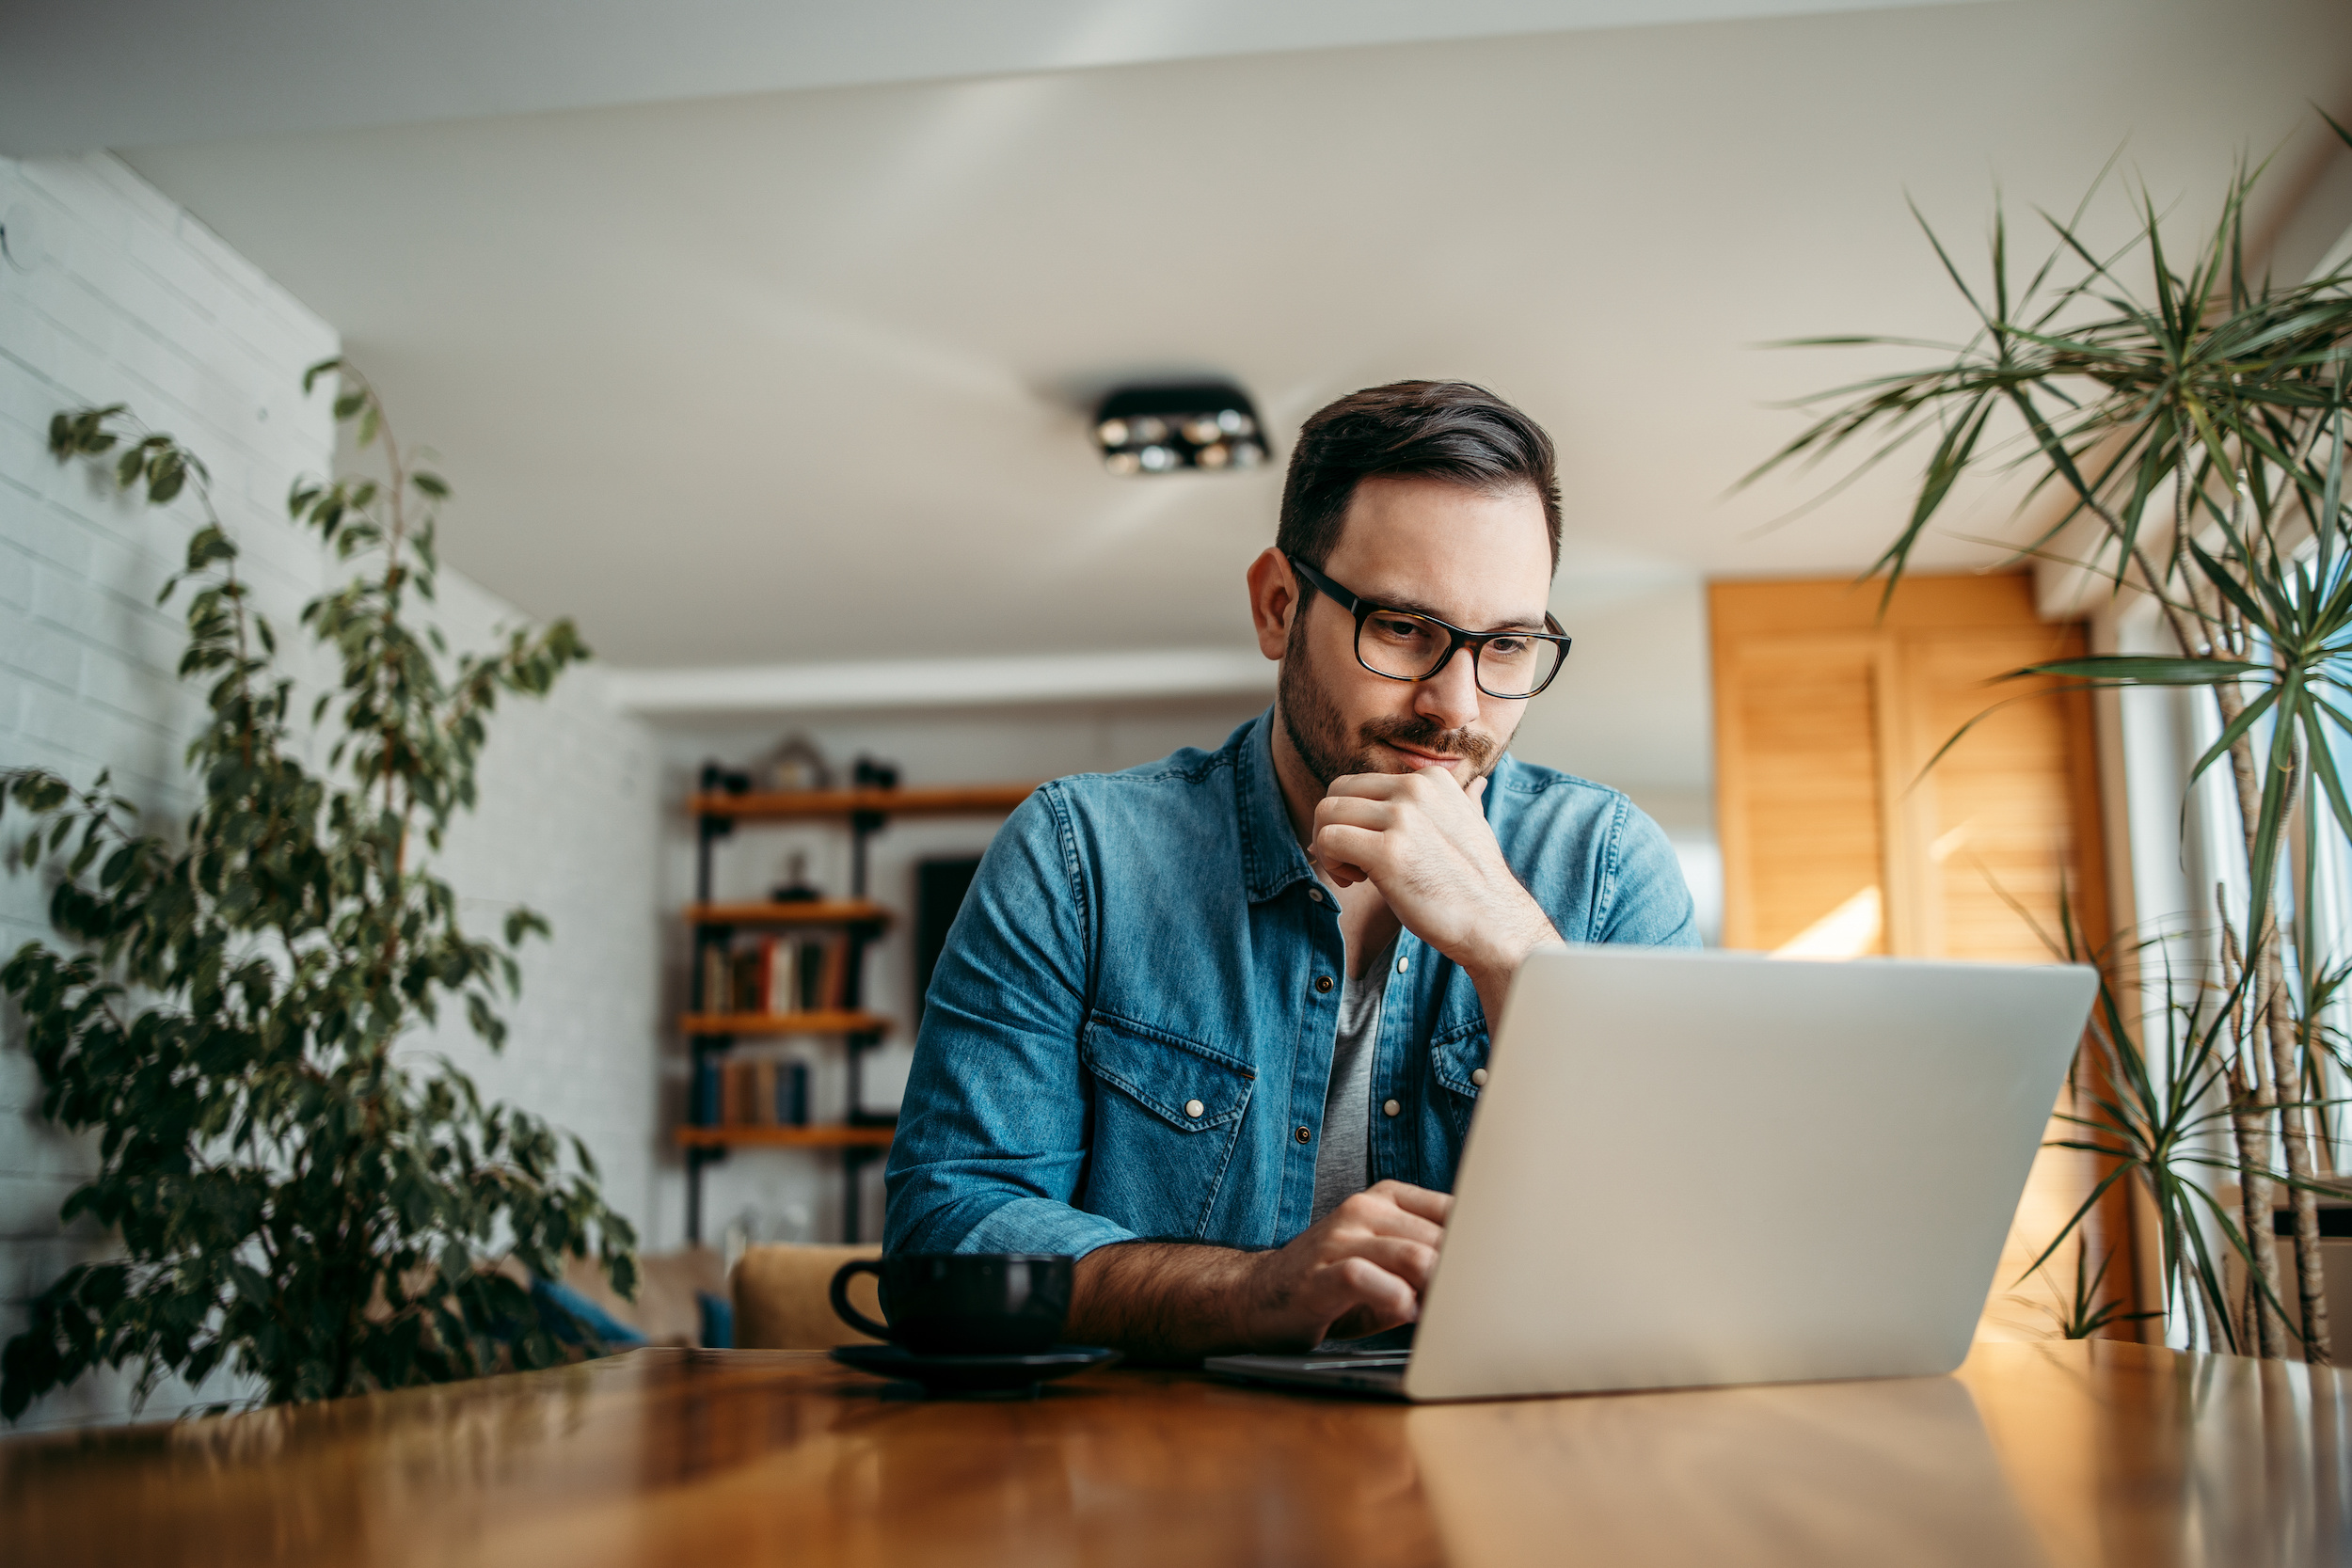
x,y
1447,430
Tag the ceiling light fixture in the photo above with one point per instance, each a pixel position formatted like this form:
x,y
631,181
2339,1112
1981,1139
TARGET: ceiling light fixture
x,y
1166,430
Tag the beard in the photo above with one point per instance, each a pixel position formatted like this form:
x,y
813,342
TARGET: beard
x,y
1319,734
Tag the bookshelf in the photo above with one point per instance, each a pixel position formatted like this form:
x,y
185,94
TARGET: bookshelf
x,y
713,1023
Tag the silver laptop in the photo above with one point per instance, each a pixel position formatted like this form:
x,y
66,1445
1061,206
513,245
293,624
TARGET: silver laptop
x,y
1709,1168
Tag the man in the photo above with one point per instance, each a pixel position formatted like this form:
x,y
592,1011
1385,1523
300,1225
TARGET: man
x,y
1215,1025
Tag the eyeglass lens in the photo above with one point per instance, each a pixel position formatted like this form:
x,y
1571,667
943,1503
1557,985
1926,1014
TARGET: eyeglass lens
x,y
1393,643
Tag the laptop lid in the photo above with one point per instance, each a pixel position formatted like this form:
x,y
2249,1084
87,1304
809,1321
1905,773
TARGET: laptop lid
x,y
1691,1168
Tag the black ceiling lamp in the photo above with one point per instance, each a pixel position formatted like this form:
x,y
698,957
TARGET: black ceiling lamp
x,y
1164,430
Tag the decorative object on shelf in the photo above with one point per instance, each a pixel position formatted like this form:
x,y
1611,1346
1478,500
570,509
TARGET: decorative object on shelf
x,y
1164,430
718,778
2199,441
796,888
794,763
793,966
299,1200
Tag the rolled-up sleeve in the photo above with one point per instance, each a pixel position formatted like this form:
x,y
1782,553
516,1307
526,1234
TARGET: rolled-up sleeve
x,y
991,1149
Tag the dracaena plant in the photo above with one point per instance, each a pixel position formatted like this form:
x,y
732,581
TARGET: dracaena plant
x,y
298,1196
2191,414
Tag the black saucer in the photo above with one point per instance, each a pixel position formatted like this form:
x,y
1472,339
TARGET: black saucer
x,y
974,1375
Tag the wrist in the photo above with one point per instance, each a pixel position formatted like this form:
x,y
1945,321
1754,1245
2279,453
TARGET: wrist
x,y
1496,950
1258,1297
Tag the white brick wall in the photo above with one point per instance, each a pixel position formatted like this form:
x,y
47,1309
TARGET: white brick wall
x,y
136,302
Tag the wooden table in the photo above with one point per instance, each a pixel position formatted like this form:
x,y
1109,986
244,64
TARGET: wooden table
x,y
2058,1455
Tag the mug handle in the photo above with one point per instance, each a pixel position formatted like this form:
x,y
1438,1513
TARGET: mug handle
x,y
841,1307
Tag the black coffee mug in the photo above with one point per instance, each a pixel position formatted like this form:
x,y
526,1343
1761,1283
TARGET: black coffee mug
x,y
962,1303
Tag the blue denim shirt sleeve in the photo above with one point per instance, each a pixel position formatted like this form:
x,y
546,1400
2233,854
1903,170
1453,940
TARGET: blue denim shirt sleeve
x,y
1649,904
992,1141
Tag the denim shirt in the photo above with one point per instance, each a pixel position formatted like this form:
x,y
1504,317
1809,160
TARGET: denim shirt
x,y
1130,1031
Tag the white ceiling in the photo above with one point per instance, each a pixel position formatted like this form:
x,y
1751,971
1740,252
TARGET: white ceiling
x,y
118,72
796,376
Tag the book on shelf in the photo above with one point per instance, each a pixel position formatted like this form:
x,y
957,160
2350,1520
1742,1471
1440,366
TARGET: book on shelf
x,y
717,987
764,1092
703,1109
763,1106
777,976
833,975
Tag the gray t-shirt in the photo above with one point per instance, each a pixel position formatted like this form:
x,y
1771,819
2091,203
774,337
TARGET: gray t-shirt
x,y
1343,1162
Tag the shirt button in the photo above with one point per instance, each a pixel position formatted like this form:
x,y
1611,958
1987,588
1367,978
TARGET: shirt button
x,y
1193,1109
1400,965
1315,894
1390,1108
1305,1134
1323,983
1478,1076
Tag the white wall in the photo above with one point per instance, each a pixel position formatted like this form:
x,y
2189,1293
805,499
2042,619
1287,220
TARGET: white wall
x,y
119,295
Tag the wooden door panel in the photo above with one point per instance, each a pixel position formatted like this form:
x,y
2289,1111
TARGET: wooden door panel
x,y
1804,712
1998,809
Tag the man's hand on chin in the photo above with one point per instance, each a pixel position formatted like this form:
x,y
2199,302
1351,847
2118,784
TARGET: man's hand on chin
x,y
1361,1269
1421,840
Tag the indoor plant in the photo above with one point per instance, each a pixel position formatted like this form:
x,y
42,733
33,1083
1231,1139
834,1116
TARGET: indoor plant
x,y
2194,424
297,1197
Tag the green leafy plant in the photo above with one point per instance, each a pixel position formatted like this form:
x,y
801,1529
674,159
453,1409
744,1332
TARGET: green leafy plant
x,y
2192,418
297,1197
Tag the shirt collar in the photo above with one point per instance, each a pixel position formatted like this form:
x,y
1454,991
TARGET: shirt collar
x,y
1271,856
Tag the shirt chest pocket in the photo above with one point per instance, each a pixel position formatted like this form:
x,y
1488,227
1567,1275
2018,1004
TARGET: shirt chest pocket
x,y
1168,1114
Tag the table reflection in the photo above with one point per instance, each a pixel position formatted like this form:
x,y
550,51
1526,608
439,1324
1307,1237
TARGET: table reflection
x,y
2125,1455
1817,1474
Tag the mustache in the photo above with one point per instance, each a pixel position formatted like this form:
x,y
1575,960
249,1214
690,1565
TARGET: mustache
x,y
1473,746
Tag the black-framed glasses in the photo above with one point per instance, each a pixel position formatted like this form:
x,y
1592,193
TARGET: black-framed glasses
x,y
1406,645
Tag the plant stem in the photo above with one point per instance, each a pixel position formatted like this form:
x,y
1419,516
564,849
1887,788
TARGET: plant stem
x,y
2310,1281
2262,1328
2277,1078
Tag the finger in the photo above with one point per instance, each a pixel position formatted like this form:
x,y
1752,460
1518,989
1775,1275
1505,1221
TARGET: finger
x,y
1371,1213
1344,874
1356,811
1478,787
1415,1200
1361,847
1357,1324
1365,1284
1370,786
1410,1261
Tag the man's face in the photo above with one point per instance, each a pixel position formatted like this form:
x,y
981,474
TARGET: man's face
x,y
1479,561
